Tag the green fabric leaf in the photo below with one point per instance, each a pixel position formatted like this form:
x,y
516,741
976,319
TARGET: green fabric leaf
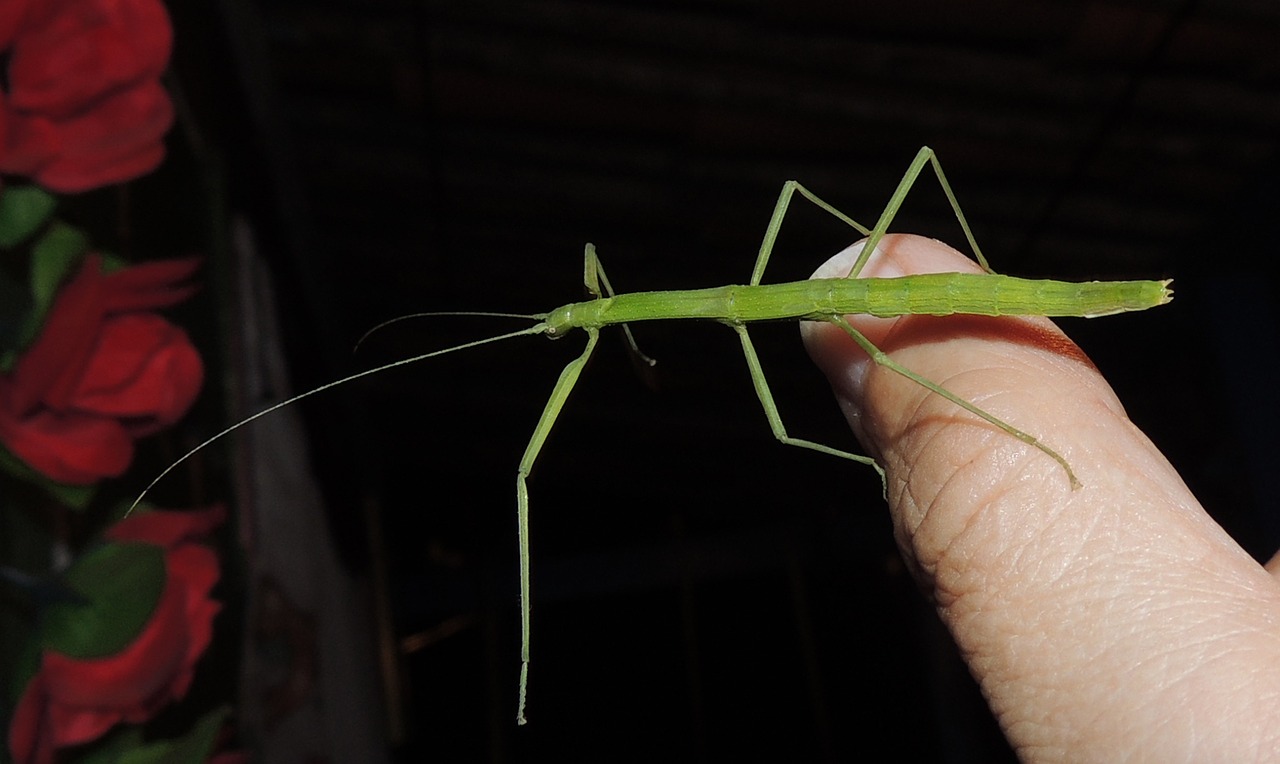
x,y
123,583
15,303
24,668
53,257
125,746
52,260
23,209
71,496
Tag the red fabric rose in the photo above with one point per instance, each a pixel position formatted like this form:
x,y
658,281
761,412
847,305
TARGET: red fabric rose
x,y
103,372
11,14
72,701
84,106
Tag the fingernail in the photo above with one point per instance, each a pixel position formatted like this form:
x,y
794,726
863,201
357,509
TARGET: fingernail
x,y
834,352
877,266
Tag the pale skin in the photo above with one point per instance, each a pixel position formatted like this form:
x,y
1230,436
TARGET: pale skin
x,y
1113,622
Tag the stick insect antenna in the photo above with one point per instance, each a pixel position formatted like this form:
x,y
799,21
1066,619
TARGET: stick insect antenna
x,y
433,313
538,328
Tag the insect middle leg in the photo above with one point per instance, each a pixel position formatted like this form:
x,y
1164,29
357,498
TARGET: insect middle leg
x,y
775,419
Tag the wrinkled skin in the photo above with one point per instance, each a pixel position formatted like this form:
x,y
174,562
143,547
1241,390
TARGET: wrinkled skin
x,y
1116,622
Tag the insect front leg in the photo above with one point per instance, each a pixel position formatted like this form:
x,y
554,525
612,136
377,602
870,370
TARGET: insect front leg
x,y
594,277
559,394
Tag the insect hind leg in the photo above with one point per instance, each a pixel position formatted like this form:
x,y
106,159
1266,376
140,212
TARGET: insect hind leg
x,y
925,156
882,359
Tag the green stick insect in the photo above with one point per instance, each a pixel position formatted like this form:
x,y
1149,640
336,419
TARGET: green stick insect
x,y
986,294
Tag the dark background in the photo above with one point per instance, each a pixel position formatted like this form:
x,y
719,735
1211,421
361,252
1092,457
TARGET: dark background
x,y
703,593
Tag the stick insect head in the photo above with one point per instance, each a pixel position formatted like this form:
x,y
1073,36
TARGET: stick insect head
x,y
559,321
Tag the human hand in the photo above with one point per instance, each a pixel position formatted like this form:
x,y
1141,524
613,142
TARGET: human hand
x,y
1117,621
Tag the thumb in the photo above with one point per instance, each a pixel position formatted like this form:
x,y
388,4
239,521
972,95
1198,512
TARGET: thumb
x,y
1112,621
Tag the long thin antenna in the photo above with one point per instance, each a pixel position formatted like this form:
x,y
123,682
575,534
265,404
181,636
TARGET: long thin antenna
x,y
538,328
485,313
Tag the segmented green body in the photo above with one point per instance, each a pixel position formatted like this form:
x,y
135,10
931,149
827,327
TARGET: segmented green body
x,y
938,294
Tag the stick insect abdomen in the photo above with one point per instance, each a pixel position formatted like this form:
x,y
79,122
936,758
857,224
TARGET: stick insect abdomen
x,y
987,294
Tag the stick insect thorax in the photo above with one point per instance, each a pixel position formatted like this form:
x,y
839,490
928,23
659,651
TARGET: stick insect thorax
x,y
830,300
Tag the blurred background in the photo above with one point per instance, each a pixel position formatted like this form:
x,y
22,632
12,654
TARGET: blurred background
x,y
701,593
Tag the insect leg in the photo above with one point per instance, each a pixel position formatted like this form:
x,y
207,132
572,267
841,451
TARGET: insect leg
x,y
771,409
594,277
955,207
924,156
559,394
883,359
775,223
